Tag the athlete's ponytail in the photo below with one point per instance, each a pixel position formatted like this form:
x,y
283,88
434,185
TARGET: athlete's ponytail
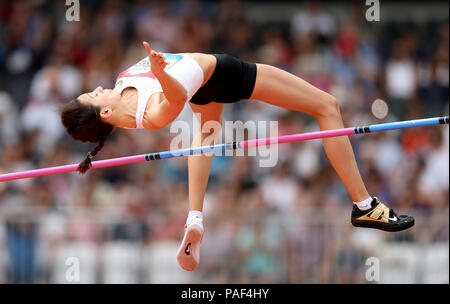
x,y
86,163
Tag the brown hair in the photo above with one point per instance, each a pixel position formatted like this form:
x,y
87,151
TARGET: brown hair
x,y
82,121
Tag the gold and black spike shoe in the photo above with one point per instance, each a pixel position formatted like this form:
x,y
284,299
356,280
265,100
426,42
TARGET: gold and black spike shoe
x,y
380,217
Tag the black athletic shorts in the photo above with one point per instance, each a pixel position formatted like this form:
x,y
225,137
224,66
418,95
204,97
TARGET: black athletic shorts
x,y
232,80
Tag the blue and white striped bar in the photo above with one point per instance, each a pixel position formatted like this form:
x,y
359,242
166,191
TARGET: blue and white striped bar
x,y
402,124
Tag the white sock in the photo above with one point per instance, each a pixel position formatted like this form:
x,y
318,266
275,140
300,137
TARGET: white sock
x,y
192,214
365,204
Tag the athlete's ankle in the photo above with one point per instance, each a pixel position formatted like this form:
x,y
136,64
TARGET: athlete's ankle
x,y
194,214
365,204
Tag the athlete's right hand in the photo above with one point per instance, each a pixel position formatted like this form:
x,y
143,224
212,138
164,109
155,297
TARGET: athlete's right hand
x,y
157,60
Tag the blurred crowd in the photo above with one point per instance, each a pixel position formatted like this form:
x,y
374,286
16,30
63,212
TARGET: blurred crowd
x,y
286,224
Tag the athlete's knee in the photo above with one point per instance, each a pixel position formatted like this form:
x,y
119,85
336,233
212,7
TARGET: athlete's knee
x,y
329,106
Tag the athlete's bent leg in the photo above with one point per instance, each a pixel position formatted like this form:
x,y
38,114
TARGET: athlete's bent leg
x,y
285,90
288,91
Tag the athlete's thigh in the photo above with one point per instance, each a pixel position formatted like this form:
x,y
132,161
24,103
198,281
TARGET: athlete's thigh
x,y
207,112
209,117
286,90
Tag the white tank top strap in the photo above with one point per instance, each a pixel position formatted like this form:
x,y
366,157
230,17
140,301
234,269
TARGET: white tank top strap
x,y
144,88
140,111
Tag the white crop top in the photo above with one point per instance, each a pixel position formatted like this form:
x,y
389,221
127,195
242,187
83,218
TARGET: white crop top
x,y
181,67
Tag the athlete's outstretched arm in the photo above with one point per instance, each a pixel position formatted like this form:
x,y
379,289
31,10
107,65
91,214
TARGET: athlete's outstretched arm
x,y
199,165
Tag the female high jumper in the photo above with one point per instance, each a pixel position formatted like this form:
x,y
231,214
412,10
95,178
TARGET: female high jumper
x,y
153,92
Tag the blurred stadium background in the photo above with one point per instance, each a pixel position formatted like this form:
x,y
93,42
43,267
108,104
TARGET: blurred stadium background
x,y
287,224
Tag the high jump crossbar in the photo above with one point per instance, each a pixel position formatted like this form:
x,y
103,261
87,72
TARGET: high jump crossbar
x,y
229,146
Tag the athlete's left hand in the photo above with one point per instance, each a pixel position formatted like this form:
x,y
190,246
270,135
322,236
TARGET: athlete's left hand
x,y
157,60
